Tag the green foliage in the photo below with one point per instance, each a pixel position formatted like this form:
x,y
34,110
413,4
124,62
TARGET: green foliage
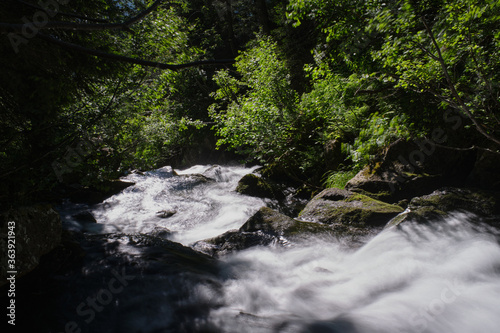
x,y
53,99
379,131
375,71
449,50
338,179
261,108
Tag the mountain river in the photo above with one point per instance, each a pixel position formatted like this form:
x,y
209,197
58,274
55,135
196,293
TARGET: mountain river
x,y
442,277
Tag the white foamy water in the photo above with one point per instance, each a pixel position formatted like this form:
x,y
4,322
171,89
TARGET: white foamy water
x,y
203,209
439,278
443,277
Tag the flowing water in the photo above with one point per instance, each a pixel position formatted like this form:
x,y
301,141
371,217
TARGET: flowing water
x,y
440,277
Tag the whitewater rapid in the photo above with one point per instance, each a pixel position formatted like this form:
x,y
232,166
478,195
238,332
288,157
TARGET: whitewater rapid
x,y
439,277
435,278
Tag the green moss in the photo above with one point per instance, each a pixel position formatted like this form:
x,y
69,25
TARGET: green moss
x,y
349,209
420,215
375,205
380,195
301,227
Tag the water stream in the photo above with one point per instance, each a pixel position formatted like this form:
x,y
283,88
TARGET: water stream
x,y
435,278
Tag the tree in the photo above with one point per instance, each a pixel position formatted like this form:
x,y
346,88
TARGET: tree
x,y
79,76
450,50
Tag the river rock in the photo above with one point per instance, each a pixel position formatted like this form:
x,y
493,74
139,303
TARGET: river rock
x,y
450,199
412,168
440,203
194,179
160,232
341,207
37,231
165,213
84,217
256,186
140,276
96,194
273,223
486,172
266,226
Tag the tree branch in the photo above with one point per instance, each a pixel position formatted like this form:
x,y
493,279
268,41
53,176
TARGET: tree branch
x,y
78,16
468,148
117,57
8,27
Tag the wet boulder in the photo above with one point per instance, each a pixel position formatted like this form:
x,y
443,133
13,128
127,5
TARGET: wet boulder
x,y
256,186
486,172
166,213
266,226
37,231
192,180
84,217
339,207
440,203
95,194
412,168
450,199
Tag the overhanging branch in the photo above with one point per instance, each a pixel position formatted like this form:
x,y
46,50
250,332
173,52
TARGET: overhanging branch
x,y
142,62
74,15
18,28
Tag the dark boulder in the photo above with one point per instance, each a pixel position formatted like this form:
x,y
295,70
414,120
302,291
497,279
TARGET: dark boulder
x,y
256,186
411,168
37,231
166,213
93,195
84,217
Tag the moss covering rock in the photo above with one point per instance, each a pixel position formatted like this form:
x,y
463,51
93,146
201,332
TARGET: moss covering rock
x,y
341,207
450,199
263,228
419,215
440,203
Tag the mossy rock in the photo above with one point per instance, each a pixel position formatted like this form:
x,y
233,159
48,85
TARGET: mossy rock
x,y
255,186
274,223
419,215
263,228
453,199
342,207
438,204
